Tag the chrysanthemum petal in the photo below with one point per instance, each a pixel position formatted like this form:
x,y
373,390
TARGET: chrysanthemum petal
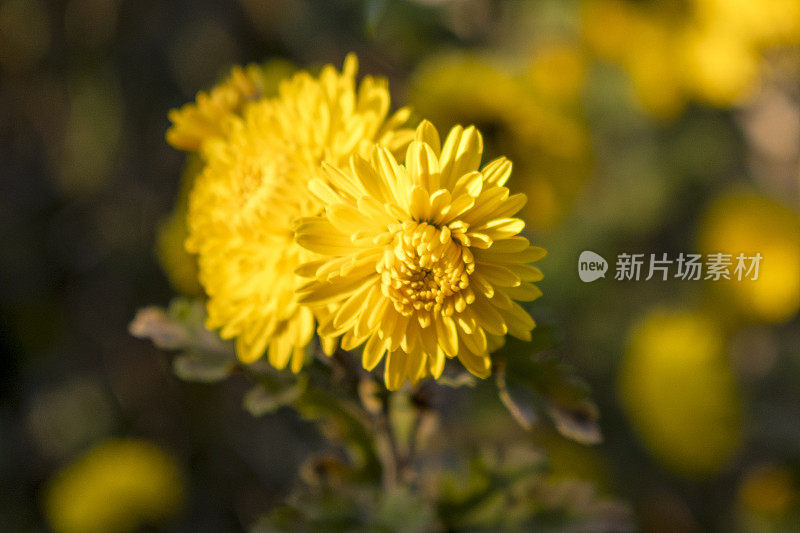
x,y
350,310
416,366
395,371
489,200
423,166
391,173
479,365
279,352
498,275
427,133
497,171
526,272
373,352
525,292
319,293
436,364
447,334
518,319
320,236
456,208
527,255
461,154
470,184
502,228
510,207
474,341
298,357
346,219
488,317
324,192
350,340
309,269
342,181
419,207
368,180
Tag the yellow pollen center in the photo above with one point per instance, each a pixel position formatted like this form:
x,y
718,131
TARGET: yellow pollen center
x,y
423,267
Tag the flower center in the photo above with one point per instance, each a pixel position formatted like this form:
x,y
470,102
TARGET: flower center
x,y
423,267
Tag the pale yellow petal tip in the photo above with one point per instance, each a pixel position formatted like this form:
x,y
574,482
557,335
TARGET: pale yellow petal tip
x,y
246,352
246,356
350,66
472,133
329,345
426,132
298,359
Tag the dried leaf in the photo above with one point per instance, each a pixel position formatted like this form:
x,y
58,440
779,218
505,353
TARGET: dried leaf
x,y
578,424
155,324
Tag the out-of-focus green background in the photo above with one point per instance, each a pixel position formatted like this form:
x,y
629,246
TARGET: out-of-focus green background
x,y
635,127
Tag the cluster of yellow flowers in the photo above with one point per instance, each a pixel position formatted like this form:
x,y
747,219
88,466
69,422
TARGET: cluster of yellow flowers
x,y
319,207
697,429
703,50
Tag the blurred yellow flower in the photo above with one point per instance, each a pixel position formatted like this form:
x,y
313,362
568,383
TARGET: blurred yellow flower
x,y
557,72
708,50
768,490
193,124
641,40
205,118
252,190
743,222
118,486
680,392
763,22
720,68
179,265
533,116
423,260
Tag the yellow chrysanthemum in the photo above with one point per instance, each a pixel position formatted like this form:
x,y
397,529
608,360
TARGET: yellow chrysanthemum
x,y
205,118
120,485
710,51
253,189
424,260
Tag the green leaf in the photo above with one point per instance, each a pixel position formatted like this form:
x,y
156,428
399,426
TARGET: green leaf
x,y
518,400
530,383
260,401
202,368
343,422
205,358
403,510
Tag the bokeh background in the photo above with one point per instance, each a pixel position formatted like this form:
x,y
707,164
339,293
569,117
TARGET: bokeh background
x,y
634,126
